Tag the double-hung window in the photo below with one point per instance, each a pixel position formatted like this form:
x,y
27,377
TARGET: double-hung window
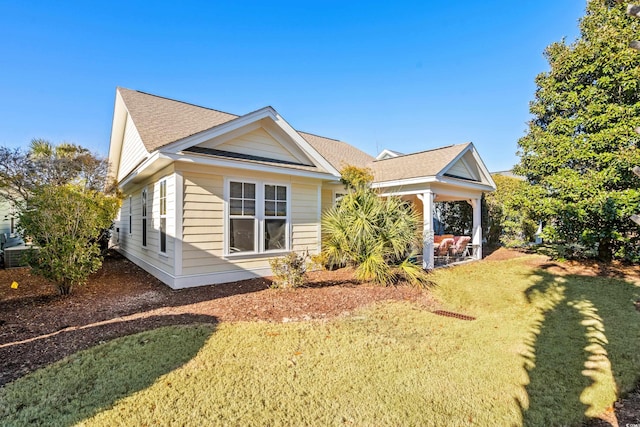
x,y
275,217
144,217
258,217
242,217
163,216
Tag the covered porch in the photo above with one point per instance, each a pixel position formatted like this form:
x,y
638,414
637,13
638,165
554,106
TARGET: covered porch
x,y
449,174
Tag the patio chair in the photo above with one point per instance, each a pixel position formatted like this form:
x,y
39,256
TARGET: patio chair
x,y
444,246
461,247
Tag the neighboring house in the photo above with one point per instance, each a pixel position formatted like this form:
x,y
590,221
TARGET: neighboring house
x,y
8,225
210,197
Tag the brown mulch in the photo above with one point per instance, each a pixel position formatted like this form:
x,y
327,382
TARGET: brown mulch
x,y
38,327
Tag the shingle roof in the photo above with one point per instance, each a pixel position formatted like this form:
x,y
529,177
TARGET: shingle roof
x,y
161,121
424,163
338,153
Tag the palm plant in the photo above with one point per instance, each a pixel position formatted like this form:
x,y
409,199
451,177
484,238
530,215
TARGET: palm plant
x,y
377,236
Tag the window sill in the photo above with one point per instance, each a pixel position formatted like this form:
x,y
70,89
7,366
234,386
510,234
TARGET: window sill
x,y
250,255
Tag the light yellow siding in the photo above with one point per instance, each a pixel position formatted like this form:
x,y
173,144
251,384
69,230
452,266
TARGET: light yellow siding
x,y
203,219
257,143
460,170
132,243
304,217
133,151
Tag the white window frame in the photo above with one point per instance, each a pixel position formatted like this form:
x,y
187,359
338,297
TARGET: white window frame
x,y
338,195
259,217
130,214
144,207
162,214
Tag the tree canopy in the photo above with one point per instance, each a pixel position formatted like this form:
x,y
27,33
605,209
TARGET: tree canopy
x,y
580,147
21,172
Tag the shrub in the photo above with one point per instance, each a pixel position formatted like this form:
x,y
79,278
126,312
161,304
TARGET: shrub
x,y
375,235
65,223
288,271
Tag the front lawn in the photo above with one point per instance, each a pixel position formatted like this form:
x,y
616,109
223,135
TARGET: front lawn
x,y
547,347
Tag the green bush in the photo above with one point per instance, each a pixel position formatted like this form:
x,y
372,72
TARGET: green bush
x,y
65,223
288,271
375,235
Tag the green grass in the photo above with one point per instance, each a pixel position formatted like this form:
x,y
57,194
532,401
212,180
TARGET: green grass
x,y
544,350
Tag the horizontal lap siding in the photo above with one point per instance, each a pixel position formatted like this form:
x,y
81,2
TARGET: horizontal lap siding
x,y
203,223
132,243
304,217
258,143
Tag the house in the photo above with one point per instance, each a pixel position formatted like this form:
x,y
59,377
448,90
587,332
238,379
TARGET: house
x,y
210,196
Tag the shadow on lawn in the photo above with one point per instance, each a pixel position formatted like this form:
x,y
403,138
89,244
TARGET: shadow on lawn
x,y
91,381
583,350
21,357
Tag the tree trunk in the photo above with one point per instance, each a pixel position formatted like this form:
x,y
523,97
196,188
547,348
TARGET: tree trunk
x,y
64,288
604,250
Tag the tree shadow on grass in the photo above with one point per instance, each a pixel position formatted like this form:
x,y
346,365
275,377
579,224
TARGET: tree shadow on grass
x,y
582,352
90,381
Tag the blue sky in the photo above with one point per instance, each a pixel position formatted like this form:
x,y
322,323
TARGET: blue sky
x,y
408,76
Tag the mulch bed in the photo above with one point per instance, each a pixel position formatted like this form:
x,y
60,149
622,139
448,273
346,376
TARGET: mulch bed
x,y
39,327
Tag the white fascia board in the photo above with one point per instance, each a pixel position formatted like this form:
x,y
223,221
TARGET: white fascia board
x,y
402,182
483,168
246,165
266,112
465,184
455,159
430,180
386,152
306,147
208,134
144,165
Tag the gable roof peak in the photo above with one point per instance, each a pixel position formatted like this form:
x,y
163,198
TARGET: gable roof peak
x,y
430,150
166,98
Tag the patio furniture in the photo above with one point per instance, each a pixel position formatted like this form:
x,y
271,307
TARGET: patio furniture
x,y
461,247
442,249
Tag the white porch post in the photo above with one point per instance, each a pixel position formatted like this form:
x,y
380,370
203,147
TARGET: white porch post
x,y
427,229
477,227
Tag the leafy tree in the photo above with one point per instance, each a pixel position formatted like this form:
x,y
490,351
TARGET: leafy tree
x,y
510,221
65,222
581,145
21,172
376,235
455,217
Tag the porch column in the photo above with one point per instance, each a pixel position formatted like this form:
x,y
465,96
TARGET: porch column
x,y
477,227
427,229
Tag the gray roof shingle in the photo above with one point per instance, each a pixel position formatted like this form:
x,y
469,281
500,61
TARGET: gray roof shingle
x,y
161,121
415,165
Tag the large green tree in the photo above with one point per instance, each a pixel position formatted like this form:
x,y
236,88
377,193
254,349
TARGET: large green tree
x,y
581,145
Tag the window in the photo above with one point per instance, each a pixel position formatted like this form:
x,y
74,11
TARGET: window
x,y
163,216
337,197
242,217
144,217
130,215
275,221
257,209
